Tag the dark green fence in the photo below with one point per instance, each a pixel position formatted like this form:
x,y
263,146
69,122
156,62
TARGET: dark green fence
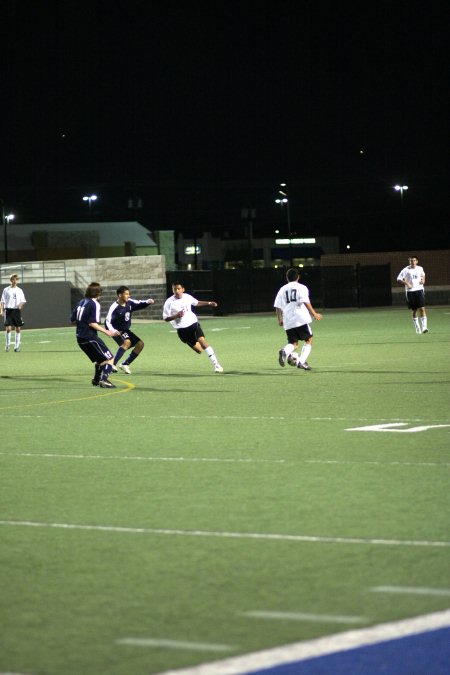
x,y
239,291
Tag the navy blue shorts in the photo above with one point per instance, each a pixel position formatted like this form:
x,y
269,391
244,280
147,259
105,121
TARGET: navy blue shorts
x,y
95,350
127,335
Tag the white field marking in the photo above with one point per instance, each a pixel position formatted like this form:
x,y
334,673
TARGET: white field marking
x,y
284,418
43,342
217,330
411,590
331,644
256,418
237,460
390,427
367,461
226,460
315,539
175,644
303,616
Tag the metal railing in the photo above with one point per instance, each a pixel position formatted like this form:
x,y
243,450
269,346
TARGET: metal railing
x,y
35,272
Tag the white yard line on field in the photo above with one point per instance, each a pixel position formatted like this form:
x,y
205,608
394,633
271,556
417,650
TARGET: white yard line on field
x,y
331,644
304,616
175,644
48,455
225,460
256,418
411,590
268,536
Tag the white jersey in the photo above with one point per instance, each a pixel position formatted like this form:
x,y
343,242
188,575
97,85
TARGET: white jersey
x,y
291,300
173,305
12,297
413,275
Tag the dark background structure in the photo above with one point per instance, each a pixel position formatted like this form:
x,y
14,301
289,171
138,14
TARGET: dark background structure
x,y
182,114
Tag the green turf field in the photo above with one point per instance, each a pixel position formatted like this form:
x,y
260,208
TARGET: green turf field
x,y
211,515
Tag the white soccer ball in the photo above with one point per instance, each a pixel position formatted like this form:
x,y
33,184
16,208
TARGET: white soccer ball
x,y
293,359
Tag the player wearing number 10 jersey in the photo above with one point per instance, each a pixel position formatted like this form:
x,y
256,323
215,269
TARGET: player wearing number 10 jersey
x,y
294,312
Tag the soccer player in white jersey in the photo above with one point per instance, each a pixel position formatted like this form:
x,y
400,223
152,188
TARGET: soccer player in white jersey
x,y
178,311
413,278
294,312
11,303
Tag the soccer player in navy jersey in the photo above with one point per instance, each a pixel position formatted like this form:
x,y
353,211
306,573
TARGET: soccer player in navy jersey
x,y
87,317
119,319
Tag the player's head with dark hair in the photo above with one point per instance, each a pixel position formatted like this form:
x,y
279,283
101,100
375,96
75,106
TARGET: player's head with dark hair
x,y
178,289
14,277
122,289
413,257
292,274
94,290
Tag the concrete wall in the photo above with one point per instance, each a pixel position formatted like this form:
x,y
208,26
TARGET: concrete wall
x,y
47,306
144,275
52,289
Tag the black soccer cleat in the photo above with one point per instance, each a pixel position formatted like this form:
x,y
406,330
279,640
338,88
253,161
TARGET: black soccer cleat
x,y
106,384
282,358
304,366
95,382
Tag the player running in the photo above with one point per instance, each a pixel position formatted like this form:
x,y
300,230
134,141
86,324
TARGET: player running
x,y
119,319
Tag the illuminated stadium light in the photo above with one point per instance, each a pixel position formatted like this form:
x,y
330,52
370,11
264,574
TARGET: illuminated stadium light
x,y
192,250
296,240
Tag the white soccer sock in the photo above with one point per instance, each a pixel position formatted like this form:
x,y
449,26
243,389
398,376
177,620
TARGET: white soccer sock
x,y
416,324
306,350
423,321
17,342
212,356
288,349
7,339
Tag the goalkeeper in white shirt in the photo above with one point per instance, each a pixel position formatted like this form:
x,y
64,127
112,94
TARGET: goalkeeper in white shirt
x,y
294,312
413,278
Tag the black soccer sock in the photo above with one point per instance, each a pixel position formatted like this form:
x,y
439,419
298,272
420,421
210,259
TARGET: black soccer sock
x,y
106,370
98,370
130,359
120,352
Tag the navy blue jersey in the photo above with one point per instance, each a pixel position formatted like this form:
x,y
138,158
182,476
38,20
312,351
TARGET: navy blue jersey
x,y
87,311
119,316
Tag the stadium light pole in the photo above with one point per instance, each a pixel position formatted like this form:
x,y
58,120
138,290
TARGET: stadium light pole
x,y
6,220
401,189
284,199
90,199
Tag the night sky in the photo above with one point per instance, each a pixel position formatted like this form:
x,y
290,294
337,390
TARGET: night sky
x,y
200,109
